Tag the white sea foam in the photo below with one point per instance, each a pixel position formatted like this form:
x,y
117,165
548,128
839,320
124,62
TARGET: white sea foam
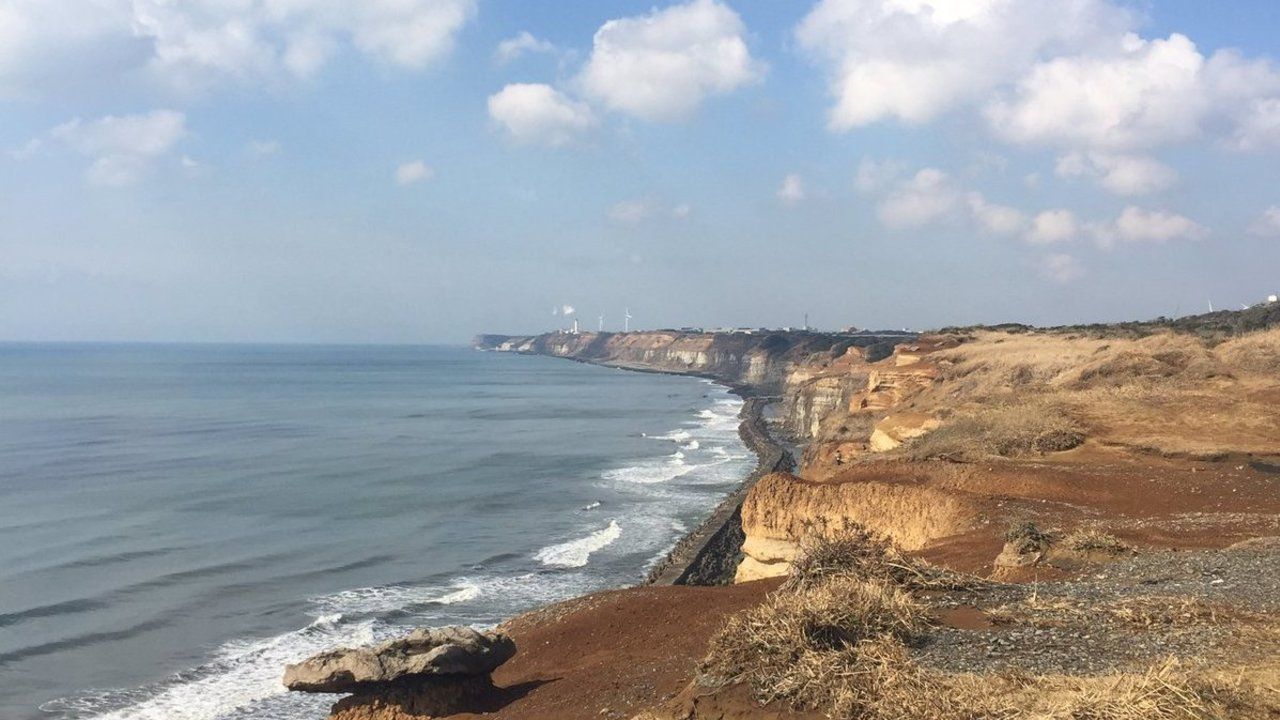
x,y
241,674
691,445
591,505
388,598
576,553
649,473
675,435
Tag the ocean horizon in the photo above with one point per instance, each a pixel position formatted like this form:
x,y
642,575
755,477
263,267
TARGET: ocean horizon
x,y
178,521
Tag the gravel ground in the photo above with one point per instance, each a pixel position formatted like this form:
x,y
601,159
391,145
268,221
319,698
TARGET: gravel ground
x,y
1190,605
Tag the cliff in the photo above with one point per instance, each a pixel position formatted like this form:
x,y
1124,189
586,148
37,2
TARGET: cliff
x,y
758,362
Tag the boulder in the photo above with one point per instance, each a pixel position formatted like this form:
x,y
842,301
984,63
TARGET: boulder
x,y
450,653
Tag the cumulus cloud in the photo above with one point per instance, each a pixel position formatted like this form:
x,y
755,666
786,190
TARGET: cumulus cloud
x,y
1136,225
522,44
196,42
122,148
1259,127
931,197
1143,94
1268,224
996,219
1124,175
539,114
1060,268
926,198
911,60
1064,73
662,66
791,192
1053,226
1147,94
413,172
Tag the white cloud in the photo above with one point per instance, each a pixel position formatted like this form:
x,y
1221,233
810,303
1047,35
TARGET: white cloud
x,y
1066,73
1053,226
682,211
911,60
1060,269
1136,225
661,66
412,172
1146,94
926,198
1268,224
1259,127
1143,94
792,190
996,219
124,147
1124,175
538,113
193,43
522,44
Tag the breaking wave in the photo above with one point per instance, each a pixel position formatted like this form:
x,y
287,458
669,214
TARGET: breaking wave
x,y
577,553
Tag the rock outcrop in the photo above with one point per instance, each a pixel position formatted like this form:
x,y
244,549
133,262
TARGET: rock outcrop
x,y
430,672
451,651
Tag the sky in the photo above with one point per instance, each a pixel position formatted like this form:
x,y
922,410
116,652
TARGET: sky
x,y
418,171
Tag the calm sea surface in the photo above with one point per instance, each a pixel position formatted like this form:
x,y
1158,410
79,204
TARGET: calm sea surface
x,y
178,522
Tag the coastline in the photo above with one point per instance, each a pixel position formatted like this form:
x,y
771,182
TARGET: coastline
x,y
709,554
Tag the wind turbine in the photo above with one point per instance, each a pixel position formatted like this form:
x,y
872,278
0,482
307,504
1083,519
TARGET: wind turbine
x,y
600,324
626,321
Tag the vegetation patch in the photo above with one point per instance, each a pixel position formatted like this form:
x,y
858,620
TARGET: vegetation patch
x,y
838,637
1005,429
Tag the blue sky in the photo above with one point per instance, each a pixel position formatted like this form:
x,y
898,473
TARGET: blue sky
x,y
299,170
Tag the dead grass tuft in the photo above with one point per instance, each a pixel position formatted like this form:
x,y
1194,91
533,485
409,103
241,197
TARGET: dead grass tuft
x,y
804,646
855,552
1095,541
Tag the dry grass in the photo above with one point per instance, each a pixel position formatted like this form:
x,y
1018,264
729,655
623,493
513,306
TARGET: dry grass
x,y
1006,428
839,641
1257,352
1027,537
787,648
1095,541
1015,395
855,552
1144,612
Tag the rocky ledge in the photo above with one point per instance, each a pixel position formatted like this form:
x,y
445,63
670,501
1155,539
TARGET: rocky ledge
x,y
430,672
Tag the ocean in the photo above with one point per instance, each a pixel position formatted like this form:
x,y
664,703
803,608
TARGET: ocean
x,y
178,522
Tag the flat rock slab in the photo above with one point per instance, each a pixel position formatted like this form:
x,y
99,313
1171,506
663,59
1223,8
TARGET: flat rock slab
x,y
440,653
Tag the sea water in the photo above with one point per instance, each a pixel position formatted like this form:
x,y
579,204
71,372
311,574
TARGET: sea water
x,y
179,522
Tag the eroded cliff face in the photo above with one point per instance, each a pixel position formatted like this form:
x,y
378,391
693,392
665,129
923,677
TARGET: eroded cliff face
x,y
760,362
846,409
782,509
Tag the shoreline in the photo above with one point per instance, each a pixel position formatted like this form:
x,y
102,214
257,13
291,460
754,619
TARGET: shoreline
x,y
709,554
